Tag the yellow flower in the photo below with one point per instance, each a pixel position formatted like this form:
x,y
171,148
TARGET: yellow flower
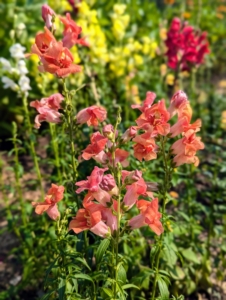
x,y
163,70
223,120
119,9
163,33
170,79
138,59
187,15
174,194
169,226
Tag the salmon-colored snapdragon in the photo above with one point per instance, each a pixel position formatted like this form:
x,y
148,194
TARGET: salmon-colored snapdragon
x,y
48,109
54,195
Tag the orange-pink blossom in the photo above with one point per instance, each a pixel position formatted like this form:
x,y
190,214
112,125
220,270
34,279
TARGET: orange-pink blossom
x,y
54,195
149,215
91,115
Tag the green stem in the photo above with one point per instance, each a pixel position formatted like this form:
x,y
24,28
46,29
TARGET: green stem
x,y
166,185
56,150
17,175
32,146
70,127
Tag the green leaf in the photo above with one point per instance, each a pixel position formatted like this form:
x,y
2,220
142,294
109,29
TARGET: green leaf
x,y
61,289
108,292
102,249
130,286
189,254
82,276
83,261
163,289
121,274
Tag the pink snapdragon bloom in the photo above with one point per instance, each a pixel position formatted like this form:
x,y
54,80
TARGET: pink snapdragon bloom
x,y
134,190
100,186
47,15
97,145
185,149
183,125
72,32
186,47
157,116
144,148
42,42
120,157
91,115
58,60
149,215
150,97
90,218
129,134
48,109
178,102
54,195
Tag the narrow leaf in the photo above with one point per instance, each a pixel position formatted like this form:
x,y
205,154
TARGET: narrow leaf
x,y
102,249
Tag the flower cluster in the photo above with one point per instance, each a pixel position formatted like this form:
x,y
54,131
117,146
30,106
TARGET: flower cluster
x,y
16,78
55,56
154,123
48,109
100,204
186,47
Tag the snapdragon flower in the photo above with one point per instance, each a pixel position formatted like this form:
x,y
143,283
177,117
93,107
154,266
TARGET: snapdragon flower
x,y
17,51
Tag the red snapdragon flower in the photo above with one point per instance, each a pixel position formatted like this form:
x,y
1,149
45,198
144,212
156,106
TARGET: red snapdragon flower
x,y
149,215
72,32
54,195
186,47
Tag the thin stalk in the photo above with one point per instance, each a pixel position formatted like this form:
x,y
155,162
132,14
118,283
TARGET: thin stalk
x,y
93,86
32,146
74,163
2,188
165,189
17,175
55,150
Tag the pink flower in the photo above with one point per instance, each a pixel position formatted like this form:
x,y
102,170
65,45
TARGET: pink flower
x,y
90,218
47,14
149,215
54,195
98,185
72,32
120,157
157,116
178,103
134,190
48,109
91,115
58,60
183,125
185,149
144,148
97,145
150,97
129,134
42,42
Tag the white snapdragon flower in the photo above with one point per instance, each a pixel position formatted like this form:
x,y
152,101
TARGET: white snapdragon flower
x,y
9,83
21,66
6,65
17,51
24,84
